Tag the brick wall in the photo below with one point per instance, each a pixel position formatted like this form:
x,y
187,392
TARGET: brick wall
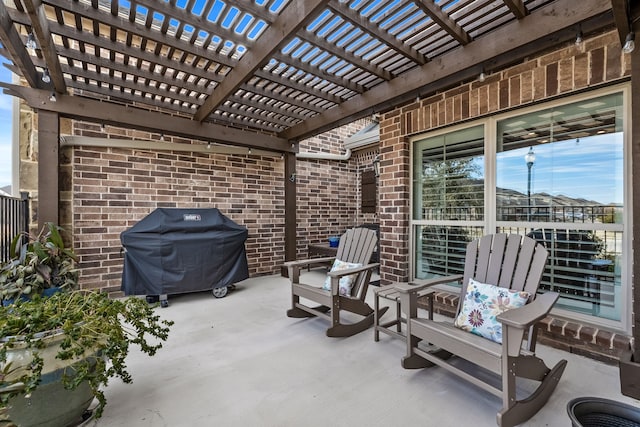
x,y
329,191
568,69
104,191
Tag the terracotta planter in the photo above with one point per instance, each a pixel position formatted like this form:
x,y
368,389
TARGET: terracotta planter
x,y
50,405
629,376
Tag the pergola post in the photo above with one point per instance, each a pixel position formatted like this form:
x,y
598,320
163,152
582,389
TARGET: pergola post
x,y
290,208
48,168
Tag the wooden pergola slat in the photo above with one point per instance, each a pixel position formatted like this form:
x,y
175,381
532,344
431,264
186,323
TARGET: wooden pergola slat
x,y
292,19
15,47
315,64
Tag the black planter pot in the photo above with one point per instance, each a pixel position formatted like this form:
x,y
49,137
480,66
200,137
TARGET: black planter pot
x,y
598,412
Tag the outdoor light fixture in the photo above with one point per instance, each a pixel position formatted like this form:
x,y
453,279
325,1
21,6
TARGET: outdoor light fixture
x,y
376,165
482,76
629,43
249,150
162,137
46,77
579,38
52,97
31,42
529,158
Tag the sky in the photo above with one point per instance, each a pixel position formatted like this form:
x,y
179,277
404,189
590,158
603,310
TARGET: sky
x,y
6,114
590,168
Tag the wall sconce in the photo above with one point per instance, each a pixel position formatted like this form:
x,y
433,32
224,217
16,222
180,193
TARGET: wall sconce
x,y
292,177
53,97
629,43
376,165
579,37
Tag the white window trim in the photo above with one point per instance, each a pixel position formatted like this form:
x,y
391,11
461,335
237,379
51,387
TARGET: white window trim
x,y
490,223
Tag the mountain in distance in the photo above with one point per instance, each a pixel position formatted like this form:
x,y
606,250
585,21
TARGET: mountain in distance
x,y
508,197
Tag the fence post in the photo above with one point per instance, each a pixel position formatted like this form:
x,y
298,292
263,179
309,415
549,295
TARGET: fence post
x,y
26,216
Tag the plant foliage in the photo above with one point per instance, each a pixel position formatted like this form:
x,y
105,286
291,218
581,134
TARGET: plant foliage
x,y
38,263
97,331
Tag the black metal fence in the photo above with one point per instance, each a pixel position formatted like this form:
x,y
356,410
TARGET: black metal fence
x,y
14,219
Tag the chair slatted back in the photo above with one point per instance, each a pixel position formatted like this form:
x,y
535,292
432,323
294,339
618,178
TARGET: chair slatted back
x,y
506,260
357,245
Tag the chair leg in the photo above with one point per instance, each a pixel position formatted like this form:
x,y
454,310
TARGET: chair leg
x,y
376,317
515,411
297,312
347,330
398,316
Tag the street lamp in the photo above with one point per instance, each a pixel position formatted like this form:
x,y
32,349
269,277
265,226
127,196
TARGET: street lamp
x,y
530,158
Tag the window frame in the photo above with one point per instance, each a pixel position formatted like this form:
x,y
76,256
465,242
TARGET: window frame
x,y
490,205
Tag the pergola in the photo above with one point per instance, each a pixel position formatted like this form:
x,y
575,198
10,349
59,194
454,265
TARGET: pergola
x,y
265,74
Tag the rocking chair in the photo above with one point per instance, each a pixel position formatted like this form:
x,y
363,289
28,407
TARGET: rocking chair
x,y
514,264
353,255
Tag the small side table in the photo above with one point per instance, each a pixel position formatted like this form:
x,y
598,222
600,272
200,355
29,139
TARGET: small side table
x,y
321,250
390,293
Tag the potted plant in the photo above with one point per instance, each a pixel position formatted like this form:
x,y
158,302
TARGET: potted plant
x,y
57,351
40,265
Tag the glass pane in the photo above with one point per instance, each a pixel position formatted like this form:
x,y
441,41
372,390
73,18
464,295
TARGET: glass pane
x,y
448,176
441,249
563,164
584,267
560,168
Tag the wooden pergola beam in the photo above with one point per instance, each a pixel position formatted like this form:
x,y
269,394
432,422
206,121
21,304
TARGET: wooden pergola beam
x,y
96,111
289,22
40,28
363,23
508,40
342,53
15,47
310,69
295,85
516,7
139,30
171,10
48,168
441,18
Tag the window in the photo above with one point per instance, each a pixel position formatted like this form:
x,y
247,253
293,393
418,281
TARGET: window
x,y
556,174
448,192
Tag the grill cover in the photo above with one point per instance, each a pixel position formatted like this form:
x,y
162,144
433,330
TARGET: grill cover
x,y
173,251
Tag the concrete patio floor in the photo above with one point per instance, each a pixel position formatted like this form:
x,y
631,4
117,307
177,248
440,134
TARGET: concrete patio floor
x,y
240,361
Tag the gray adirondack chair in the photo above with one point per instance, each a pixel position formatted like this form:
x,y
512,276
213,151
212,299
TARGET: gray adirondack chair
x,y
509,261
356,246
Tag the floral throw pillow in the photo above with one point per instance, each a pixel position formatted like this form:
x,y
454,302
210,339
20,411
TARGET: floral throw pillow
x,y
482,304
346,282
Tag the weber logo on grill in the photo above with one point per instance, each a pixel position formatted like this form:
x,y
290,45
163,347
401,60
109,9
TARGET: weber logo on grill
x,y
191,217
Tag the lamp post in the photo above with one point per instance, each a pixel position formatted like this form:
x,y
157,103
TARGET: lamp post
x,y
530,158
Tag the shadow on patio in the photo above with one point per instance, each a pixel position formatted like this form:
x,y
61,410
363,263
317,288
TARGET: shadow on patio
x,y
239,361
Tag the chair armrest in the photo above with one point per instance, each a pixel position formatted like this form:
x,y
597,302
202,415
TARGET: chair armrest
x,y
310,261
354,270
529,314
418,285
